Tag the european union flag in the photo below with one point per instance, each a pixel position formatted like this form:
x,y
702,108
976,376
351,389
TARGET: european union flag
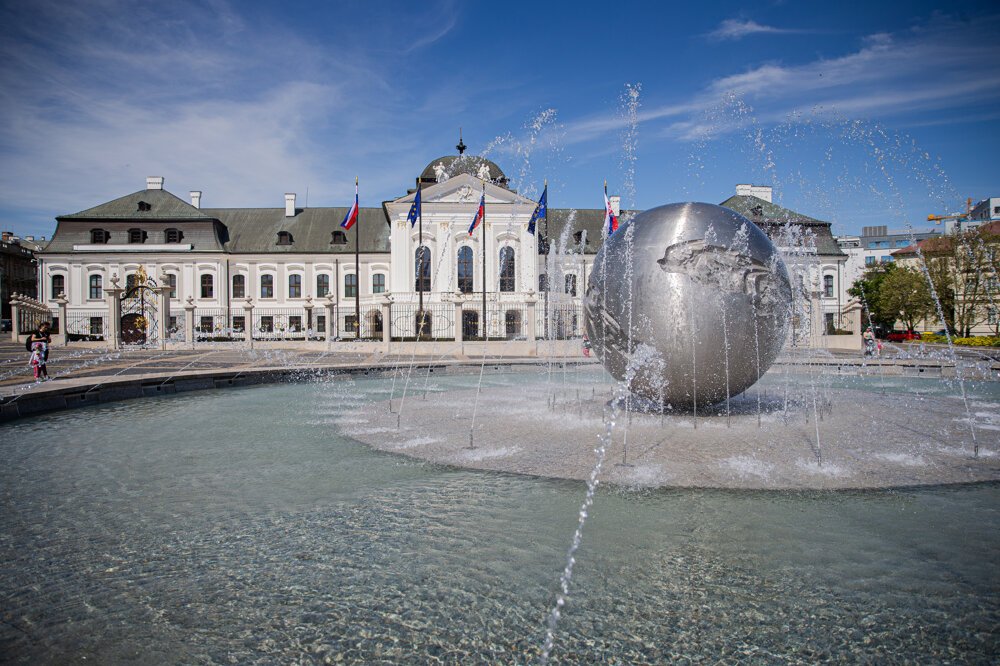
x,y
414,209
541,210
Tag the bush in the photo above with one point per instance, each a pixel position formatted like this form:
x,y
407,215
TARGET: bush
x,y
974,341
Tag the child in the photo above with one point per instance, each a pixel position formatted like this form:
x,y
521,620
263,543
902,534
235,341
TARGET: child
x,y
37,362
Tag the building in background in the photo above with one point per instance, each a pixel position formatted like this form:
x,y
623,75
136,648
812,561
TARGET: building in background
x,y
18,270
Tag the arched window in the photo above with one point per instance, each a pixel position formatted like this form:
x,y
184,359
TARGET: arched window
x,y
96,284
507,269
207,285
322,285
239,286
423,269
571,284
465,274
470,324
172,283
58,285
512,324
267,286
350,285
378,283
828,286
130,281
295,286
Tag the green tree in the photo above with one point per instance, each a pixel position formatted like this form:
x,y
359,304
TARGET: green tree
x,y
903,294
866,289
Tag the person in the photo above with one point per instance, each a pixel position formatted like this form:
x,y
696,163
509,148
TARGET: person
x,y
43,334
586,346
37,361
869,341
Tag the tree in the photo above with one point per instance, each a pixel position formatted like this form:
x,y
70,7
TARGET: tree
x,y
866,289
964,272
903,294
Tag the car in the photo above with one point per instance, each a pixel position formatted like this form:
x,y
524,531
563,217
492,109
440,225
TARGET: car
x,y
902,336
6,325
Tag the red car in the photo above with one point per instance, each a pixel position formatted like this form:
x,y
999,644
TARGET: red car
x,y
902,336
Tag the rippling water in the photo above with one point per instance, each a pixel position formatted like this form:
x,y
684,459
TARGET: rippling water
x,y
239,527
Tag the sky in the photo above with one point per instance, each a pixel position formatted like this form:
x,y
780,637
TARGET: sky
x,y
856,113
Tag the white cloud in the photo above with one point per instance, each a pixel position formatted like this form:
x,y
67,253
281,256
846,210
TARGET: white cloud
x,y
738,29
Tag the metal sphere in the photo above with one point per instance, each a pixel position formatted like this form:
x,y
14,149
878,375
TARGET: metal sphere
x,y
688,303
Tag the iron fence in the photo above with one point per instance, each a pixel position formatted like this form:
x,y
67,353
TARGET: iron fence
x,y
28,320
562,321
503,321
435,322
86,325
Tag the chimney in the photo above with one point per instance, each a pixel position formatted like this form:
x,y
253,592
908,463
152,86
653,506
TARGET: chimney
x,y
30,238
154,182
761,192
616,204
744,190
195,198
289,204
6,236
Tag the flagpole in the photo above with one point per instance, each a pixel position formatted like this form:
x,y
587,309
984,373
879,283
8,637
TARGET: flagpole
x,y
545,264
420,265
485,331
357,266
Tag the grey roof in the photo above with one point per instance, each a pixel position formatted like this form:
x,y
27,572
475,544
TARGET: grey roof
x,y
590,220
256,230
769,216
456,164
162,206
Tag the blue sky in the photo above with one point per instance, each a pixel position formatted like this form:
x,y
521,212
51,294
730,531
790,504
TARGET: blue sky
x,y
872,114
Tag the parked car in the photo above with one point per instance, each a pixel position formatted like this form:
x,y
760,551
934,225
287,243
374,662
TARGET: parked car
x,y
903,336
6,325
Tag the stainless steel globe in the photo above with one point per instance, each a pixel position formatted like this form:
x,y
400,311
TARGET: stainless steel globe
x,y
688,303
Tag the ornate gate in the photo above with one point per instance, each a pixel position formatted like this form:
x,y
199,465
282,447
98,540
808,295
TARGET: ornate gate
x,y
138,311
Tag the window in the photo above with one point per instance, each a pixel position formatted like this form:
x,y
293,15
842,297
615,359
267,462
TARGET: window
x,y
507,269
321,324
295,323
543,282
143,207
267,324
239,286
351,324
96,292
295,286
378,283
902,243
58,285
206,324
97,325
375,322
465,274
350,285
267,286
423,269
570,286
886,259
130,282
207,285
322,285
830,328
284,238
172,283
136,236
470,323
172,236
512,324
99,236
869,261
828,286
422,323
239,323
339,238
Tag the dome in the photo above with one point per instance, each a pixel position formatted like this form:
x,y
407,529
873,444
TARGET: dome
x,y
458,164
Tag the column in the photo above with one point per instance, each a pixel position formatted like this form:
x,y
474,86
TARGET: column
x,y
386,313
248,321
61,301
114,301
15,311
189,322
163,303
331,312
308,306
458,321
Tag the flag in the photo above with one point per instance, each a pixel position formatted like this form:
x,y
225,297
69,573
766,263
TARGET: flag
x,y
414,209
480,212
352,215
610,219
541,210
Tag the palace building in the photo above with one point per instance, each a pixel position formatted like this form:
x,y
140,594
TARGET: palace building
x,y
290,272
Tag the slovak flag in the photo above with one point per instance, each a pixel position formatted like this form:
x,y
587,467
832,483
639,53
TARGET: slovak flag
x,y
352,215
480,213
414,209
541,210
610,219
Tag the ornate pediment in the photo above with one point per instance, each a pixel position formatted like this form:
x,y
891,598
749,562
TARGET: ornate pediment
x,y
465,189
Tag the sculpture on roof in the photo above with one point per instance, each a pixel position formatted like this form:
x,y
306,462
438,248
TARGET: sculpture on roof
x,y
484,172
439,173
